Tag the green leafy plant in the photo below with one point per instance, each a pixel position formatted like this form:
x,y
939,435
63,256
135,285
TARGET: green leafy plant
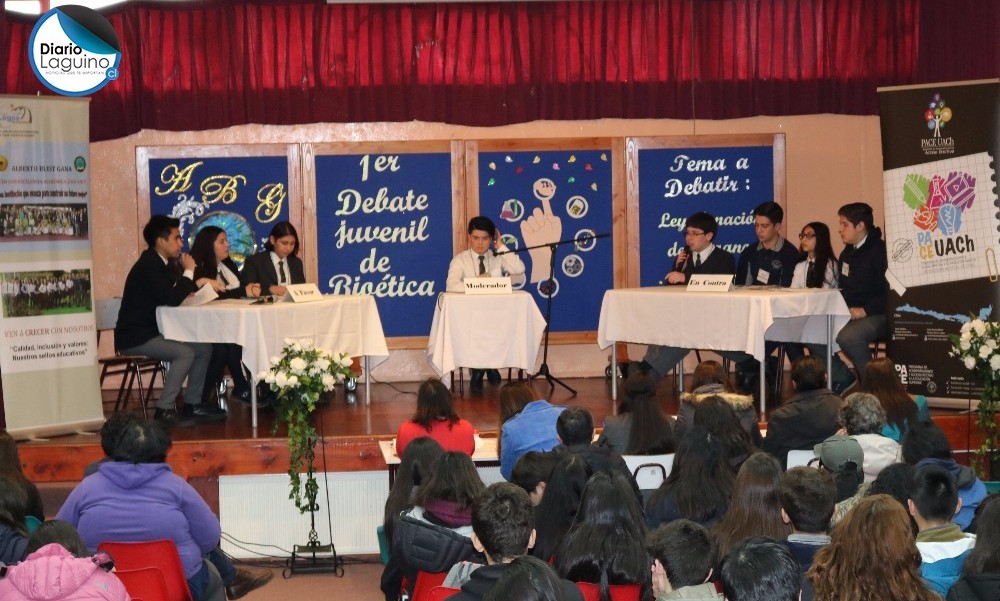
x,y
978,346
299,376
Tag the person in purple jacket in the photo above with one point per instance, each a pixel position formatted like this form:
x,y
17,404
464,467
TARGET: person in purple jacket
x,y
136,497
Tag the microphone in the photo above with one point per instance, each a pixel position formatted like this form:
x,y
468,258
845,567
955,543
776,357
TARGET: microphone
x,y
681,262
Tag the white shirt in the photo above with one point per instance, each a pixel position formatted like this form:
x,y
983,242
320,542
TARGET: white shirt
x,y
801,269
466,265
188,273
231,280
697,258
284,263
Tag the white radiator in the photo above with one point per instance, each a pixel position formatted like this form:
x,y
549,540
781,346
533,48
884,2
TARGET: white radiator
x,y
256,509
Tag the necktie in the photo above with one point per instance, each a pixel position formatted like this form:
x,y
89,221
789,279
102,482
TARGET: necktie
x,y
222,278
281,272
697,260
809,272
482,264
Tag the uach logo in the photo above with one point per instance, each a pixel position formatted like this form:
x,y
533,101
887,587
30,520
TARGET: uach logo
x,y
74,51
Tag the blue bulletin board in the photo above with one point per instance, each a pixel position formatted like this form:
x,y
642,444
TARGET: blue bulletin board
x,y
384,227
547,195
244,195
726,181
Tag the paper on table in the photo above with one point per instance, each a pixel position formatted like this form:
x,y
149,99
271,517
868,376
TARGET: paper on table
x,y
205,294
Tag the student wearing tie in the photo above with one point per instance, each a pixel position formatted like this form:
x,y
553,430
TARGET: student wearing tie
x,y
699,256
156,280
278,265
478,261
211,255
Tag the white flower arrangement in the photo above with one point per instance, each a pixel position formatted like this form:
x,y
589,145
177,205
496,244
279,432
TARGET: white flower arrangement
x,y
978,346
299,375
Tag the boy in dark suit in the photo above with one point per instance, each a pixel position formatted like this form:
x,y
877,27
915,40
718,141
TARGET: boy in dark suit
x,y
154,281
700,256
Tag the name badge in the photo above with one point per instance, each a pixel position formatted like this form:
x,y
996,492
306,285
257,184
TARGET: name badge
x,y
710,283
846,270
763,275
302,293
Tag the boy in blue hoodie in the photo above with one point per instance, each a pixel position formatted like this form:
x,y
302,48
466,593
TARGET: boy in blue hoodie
x,y
942,544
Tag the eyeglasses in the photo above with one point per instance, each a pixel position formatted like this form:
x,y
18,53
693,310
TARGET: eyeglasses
x,y
693,233
805,236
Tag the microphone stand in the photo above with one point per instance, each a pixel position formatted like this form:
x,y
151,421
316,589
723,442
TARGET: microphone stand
x,y
543,369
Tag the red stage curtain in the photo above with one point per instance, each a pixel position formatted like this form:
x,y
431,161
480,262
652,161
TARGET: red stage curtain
x,y
211,64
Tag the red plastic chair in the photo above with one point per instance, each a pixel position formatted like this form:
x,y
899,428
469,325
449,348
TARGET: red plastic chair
x,y
144,583
426,581
619,592
440,593
160,554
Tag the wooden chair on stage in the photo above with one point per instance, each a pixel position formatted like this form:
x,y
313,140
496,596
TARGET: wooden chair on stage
x,y
131,368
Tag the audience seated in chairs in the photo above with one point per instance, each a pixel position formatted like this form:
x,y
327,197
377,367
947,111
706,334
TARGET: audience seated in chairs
x,y
13,534
530,426
699,486
926,444
760,569
754,509
943,546
641,427
238,580
711,380
136,497
605,544
436,417
980,579
58,567
575,428
557,509
870,548
436,532
863,419
502,524
684,556
717,417
808,417
532,472
881,380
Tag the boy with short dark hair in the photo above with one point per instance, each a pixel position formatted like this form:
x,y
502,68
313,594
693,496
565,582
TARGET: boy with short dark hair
x,y
760,569
503,528
575,428
942,544
477,262
684,556
808,498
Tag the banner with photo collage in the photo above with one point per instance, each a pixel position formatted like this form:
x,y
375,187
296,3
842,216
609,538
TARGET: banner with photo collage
x,y
48,357
939,149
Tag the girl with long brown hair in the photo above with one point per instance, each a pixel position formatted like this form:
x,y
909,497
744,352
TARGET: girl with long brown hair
x,y
754,509
901,409
872,556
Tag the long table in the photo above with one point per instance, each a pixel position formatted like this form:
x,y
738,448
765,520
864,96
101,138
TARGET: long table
x,y
488,331
485,455
738,320
340,324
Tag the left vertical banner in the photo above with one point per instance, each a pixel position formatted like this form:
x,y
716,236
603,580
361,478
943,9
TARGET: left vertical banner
x,y
48,353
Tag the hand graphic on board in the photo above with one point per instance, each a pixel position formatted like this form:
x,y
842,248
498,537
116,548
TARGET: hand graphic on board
x,y
542,227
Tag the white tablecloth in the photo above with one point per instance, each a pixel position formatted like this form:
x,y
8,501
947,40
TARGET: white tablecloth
x,y
485,331
340,324
739,320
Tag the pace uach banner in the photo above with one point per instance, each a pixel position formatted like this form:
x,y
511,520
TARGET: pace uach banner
x,y
939,149
48,353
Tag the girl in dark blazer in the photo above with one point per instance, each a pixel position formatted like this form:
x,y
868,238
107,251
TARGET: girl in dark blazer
x,y
278,264
210,251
